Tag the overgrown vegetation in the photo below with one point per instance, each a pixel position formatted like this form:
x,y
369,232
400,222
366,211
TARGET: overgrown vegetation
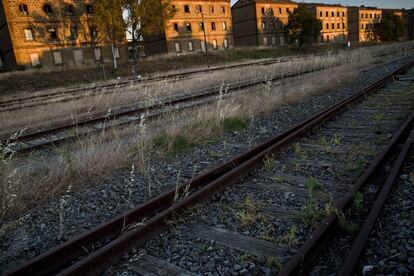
x,y
390,28
303,27
36,179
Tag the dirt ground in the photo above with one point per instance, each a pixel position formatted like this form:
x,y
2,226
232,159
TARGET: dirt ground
x,y
40,79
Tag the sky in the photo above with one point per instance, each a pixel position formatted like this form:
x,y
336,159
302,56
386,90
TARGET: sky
x,y
394,4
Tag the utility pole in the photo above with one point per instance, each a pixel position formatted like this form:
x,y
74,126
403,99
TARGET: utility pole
x,y
205,37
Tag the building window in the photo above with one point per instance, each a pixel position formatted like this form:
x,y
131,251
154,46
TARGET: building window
x,y
214,43
338,26
175,27
174,8
280,10
199,8
28,33
52,33
272,26
89,9
212,9
287,10
34,59
263,10
343,25
201,25
333,26
186,8
273,41
320,14
333,14
327,26
337,14
362,26
362,16
326,14
23,9
271,11
343,13
263,26
69,9
370,15
224,26
188,27
264,41
93,32
223,9
97,53
190,46
213,26
327,38
57,57
366,15
116,52
74,32
177,47
226,43
47,8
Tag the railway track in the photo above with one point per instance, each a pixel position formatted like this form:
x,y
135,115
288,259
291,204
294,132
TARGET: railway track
x,y
60,95
87,91
323,155
101,121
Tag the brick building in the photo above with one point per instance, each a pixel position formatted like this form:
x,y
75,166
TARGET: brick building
x,y
260,22
334,21
197,24
51,33
361,23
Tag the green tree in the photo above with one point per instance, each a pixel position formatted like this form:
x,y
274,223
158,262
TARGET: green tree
x,y
303,27
108,18
145,18
391,28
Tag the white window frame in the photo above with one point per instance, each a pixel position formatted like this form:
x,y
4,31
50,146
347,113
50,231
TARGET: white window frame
x,y
97,54
34,59
224,25
57,57
215,44
226,43
177,47
28,34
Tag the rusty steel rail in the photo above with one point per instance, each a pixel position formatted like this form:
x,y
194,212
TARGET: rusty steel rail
x,y
151,217
329,225
363,236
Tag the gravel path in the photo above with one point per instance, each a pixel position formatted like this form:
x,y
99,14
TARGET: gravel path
x,y
47,226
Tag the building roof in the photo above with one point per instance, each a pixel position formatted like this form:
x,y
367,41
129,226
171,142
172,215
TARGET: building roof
x,y
325,5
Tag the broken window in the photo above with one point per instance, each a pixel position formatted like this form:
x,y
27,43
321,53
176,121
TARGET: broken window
x,y
213,26
23,9
89,9
28,33
74,32
188,27
69,9
52,33
93,32
47,8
